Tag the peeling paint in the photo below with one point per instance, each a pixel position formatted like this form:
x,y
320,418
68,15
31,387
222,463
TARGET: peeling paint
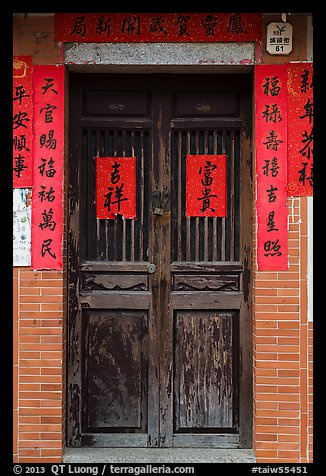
x,y
246,61
258,52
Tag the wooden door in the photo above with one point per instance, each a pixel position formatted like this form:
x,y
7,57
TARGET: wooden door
x,y
159,344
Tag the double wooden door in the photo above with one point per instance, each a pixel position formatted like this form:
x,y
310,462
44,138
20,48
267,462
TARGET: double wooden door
x,y
159,332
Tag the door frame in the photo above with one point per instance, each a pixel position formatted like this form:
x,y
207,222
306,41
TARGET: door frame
x,y
245,317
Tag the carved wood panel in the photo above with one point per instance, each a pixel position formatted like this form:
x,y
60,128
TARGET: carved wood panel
x,y
115,282
206,282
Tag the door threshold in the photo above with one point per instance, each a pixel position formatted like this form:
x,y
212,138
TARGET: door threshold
x,y
158,455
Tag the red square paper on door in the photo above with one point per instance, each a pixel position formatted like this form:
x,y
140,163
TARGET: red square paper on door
x,y
115,187
206,186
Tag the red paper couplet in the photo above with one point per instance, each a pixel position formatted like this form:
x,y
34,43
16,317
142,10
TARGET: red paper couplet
x,y
271,166
157,27
300,129
115,187
22,122
47,214
206,186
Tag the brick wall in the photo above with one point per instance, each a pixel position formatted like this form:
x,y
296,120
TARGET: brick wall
x,y
281,431
40,353
310,392
282,336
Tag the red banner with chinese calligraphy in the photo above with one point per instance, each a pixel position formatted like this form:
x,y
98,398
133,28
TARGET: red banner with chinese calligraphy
x,y
158,27
271,166
47,214
22,122
206,186
300,129
115,187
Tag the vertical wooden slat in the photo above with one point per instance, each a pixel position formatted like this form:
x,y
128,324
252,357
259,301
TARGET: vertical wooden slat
x,y
206,218
107,243
124,222
237,194
110,223
124,144
124,234
142,184
98,224
179,205
89,159
188,257
232,227
132,226
215,219
115,221
223,219
101,148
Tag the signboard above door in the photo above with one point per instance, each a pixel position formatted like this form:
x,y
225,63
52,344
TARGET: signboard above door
x,y
157,27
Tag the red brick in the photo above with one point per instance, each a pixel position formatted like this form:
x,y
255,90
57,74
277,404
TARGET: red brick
x,y
29,355
51,291
277,381
29,291
266,453
277,413
286,430
266,405
283,349
25,452
40,428
41,411
288,357
40,378
289,454
28,371
52,420
266,437
43,444
29,307
29,419
53,456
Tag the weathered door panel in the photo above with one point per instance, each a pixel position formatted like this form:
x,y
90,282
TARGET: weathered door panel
x,y
159,359
114,384
204,381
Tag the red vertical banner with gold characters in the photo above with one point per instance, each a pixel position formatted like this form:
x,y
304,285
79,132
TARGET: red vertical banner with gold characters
x,y
22,122
47,200
206,186
115,187
300,129
271,166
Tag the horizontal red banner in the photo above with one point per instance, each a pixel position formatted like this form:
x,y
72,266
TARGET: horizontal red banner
x,y
206,186
157,27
